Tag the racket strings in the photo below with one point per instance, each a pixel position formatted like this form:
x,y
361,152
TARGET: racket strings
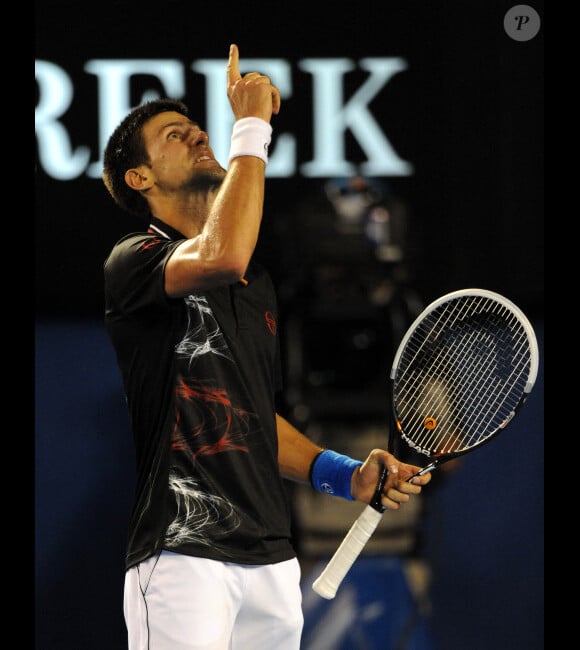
x,y
440,397
461,376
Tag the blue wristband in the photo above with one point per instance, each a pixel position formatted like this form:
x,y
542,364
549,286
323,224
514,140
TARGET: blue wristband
x,y
332,473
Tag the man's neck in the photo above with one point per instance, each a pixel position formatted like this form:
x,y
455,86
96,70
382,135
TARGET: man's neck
x,y
188,216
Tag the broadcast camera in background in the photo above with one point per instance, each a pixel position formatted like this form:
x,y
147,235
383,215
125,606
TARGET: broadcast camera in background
x,y
352,303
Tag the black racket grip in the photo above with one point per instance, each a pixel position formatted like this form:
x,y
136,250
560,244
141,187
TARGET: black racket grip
x,y
376,500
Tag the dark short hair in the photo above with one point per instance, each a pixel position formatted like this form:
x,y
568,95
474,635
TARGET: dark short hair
x,y
126,149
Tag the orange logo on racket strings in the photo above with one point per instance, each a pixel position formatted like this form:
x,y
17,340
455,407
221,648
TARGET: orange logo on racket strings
x,y
430,423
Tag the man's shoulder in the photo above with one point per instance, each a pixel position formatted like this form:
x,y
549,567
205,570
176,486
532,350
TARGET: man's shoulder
x,y
133,238
137,241
136,249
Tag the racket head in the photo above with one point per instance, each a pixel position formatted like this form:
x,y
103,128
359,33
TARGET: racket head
x,y
463,369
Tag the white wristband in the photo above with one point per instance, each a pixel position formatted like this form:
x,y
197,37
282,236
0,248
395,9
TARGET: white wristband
x,y
250,137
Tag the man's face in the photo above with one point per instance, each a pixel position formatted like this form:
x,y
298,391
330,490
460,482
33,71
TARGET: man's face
x,y
179,153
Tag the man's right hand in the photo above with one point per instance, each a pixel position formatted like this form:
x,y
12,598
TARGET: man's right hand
x,y
251,95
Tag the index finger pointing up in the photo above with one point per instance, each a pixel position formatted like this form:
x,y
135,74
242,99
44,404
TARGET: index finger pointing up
x,y
233,68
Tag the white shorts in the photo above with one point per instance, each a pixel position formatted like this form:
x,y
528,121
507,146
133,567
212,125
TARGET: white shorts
x,y
177,602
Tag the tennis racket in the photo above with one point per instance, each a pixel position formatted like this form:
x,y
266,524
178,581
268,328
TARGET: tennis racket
x,y
462,371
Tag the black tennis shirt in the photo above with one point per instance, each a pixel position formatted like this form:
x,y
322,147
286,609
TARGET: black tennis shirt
x,y
200,376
